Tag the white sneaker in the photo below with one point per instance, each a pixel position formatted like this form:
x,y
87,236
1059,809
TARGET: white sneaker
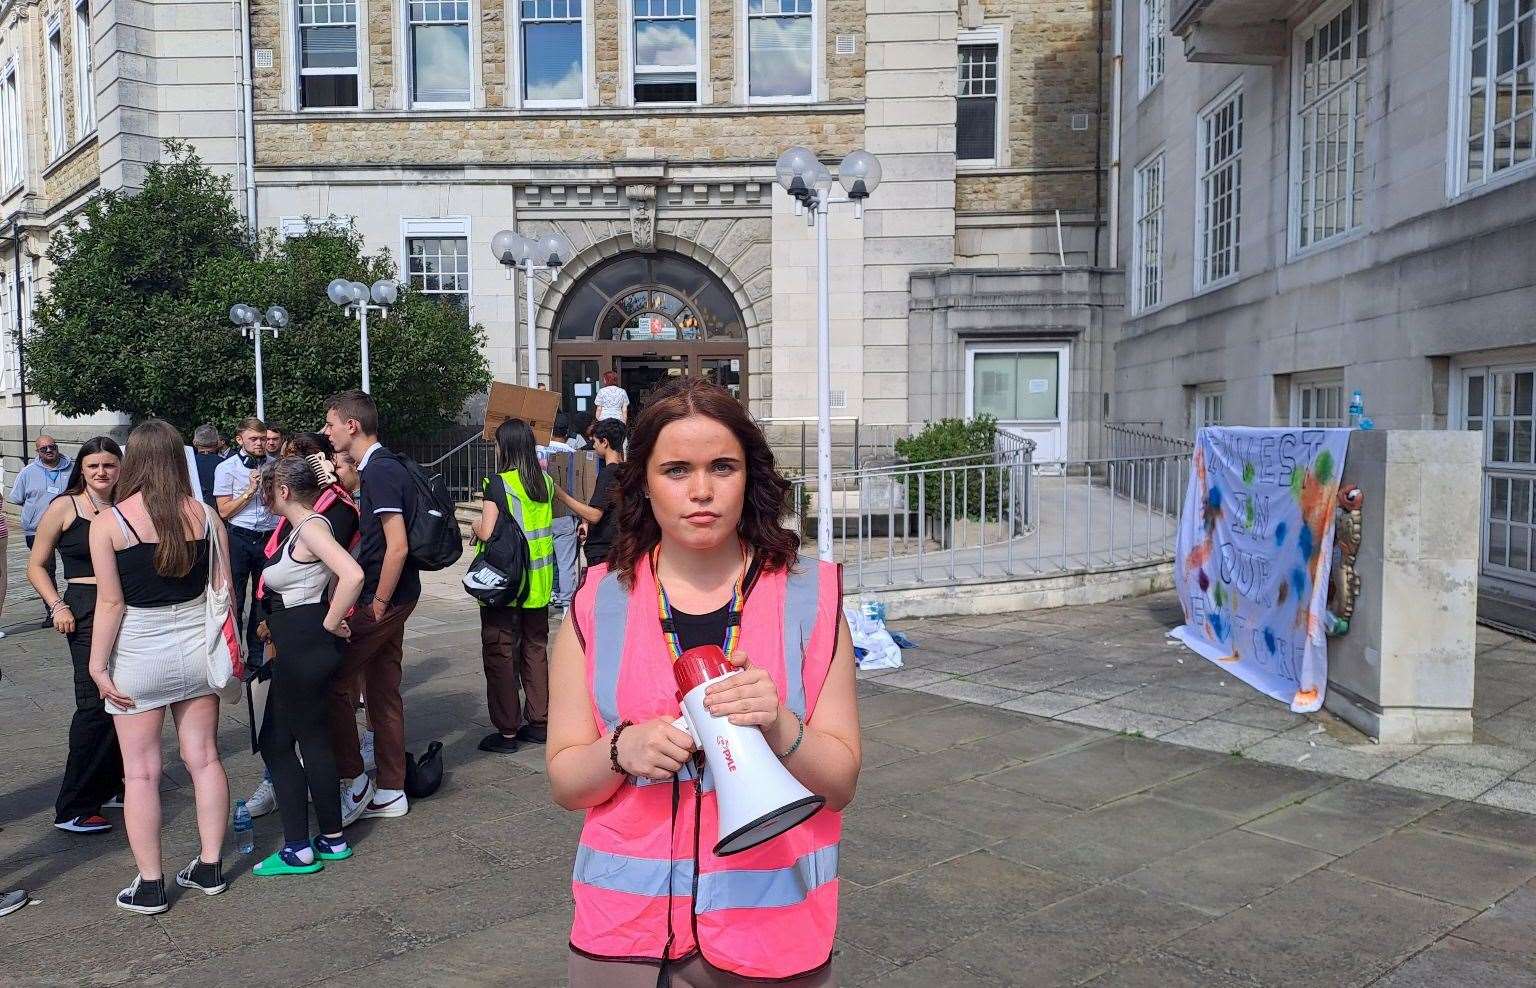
x,y
366,747
387,803
353,804
263,800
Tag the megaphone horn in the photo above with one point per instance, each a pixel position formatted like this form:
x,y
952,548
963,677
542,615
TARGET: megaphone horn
x,y
756,796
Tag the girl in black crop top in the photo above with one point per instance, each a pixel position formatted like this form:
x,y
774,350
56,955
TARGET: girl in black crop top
x,y
94,772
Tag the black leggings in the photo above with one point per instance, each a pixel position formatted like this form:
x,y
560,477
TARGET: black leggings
x,y
94,772
307,656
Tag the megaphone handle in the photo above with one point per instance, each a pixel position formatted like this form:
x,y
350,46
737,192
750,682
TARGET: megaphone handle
x,y
682,725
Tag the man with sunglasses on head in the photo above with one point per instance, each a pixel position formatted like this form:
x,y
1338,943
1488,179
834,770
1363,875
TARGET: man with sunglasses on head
x,y
38,483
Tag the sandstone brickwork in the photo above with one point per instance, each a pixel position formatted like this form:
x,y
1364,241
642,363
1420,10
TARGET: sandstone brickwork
x,y
1023,192
494,18
77,173
266,32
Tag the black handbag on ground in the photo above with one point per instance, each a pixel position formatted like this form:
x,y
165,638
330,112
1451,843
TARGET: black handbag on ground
x,y
423,777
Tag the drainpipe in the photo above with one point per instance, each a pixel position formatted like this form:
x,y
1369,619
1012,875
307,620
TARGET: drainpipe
x,y
21,343
248,127
1098,144
1117,69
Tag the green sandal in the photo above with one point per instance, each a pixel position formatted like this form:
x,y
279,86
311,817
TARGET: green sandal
x,y
276,864
325,855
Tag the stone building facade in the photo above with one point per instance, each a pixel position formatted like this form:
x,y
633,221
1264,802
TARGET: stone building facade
x,y
1324,197
646,131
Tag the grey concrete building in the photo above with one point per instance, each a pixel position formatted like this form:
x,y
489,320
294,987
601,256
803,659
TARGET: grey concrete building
x,y
1316,198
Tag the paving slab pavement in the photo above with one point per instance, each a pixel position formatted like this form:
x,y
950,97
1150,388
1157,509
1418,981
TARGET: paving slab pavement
x,y
987,846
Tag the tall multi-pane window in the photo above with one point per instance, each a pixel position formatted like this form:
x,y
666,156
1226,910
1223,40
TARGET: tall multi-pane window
x,y
1210,406
11,124
440,63
1219,200
976,104
327,53
1147,248
1154,29
1318,403
85,69
781,52
1328,125
10,356
56,141
552,49
1499,87
666,51
439,266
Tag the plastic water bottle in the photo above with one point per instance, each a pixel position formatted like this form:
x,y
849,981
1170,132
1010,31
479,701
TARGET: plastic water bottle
x,y
1356,409
245,829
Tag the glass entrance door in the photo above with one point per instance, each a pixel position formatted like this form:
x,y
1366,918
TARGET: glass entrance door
x,y
643,376
579,380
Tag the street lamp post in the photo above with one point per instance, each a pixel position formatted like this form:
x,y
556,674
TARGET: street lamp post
x,y
353,297
248,318
810,182
546,253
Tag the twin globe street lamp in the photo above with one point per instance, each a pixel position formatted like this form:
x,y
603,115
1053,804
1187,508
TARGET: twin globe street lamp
x,y
353,297
248,318
546,253
809,181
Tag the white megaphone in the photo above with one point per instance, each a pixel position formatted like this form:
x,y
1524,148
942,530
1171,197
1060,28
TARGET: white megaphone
x,y
756,797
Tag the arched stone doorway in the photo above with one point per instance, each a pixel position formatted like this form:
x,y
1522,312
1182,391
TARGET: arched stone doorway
x,y
651,317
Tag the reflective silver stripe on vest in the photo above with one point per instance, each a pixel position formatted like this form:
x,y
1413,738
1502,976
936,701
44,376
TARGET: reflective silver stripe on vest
x,y
542,562
800,607
763,889
514,504
610,615
637,876
767,889
537,533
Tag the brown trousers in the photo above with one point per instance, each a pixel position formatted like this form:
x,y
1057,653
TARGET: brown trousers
x,y
695,972
514,642
376,650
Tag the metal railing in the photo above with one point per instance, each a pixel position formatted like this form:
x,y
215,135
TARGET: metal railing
x,y
464,466
855,444
999,517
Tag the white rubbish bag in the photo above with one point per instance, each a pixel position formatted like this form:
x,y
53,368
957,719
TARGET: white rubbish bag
x,y
873,645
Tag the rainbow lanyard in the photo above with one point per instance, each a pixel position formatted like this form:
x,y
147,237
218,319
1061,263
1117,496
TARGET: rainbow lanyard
x,y
732,617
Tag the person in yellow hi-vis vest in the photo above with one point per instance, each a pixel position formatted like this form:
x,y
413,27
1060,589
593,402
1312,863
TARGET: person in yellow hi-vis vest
x,y
514,640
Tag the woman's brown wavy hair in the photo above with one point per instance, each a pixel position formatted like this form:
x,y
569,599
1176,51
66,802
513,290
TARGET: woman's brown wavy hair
x,y
766,503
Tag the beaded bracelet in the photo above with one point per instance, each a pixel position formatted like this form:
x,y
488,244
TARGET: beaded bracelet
x,y
58,604
798,738
613,746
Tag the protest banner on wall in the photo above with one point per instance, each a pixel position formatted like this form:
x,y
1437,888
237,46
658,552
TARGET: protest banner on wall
x,y
1254,549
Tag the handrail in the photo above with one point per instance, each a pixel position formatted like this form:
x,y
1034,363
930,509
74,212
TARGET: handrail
x,y
461,446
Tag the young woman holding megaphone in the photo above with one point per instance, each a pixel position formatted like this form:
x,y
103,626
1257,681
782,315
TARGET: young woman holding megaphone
x,y
672,884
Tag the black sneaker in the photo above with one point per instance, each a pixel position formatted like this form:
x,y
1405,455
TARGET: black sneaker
x,y
144,896
206,878
499,743
533,733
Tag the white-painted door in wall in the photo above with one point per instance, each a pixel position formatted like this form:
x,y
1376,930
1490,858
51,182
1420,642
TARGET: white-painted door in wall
x,y
1024,387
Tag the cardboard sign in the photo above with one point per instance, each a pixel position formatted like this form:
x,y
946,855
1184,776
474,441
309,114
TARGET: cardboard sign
x,y
535,406
576,474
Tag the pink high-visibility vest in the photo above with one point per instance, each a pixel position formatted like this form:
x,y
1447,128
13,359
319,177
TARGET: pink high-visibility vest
x,y
769,912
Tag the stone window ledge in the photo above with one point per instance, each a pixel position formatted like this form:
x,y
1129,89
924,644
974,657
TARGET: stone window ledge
x,y
70,154
558,113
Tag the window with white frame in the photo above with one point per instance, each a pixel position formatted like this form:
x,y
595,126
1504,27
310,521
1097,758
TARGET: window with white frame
x,y
1219,192
1147,246
327,54
10,356
441,70
1154,28
1318,402
1210,406
11,123
781,49
85,71
1499,88
976,104
56,141
666,51
552,46
439,266
1328,124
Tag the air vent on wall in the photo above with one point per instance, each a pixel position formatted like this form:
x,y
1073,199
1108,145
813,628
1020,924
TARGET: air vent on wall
x,y
847,44
1079,121
837,397
263,58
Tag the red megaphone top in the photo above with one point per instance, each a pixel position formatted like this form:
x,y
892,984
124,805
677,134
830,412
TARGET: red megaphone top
x,y
698,665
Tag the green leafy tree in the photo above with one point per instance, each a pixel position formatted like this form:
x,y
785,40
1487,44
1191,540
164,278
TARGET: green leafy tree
x,y
136,317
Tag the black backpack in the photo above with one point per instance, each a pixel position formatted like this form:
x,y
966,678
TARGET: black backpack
x,y
432,527
499,576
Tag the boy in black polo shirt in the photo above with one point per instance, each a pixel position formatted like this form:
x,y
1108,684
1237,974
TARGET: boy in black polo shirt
x,y
391,587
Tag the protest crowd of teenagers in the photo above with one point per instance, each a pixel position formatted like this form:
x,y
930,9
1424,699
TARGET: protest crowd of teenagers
x,y
314,539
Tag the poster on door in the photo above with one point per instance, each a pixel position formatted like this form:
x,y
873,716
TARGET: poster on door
x,y
1253,555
